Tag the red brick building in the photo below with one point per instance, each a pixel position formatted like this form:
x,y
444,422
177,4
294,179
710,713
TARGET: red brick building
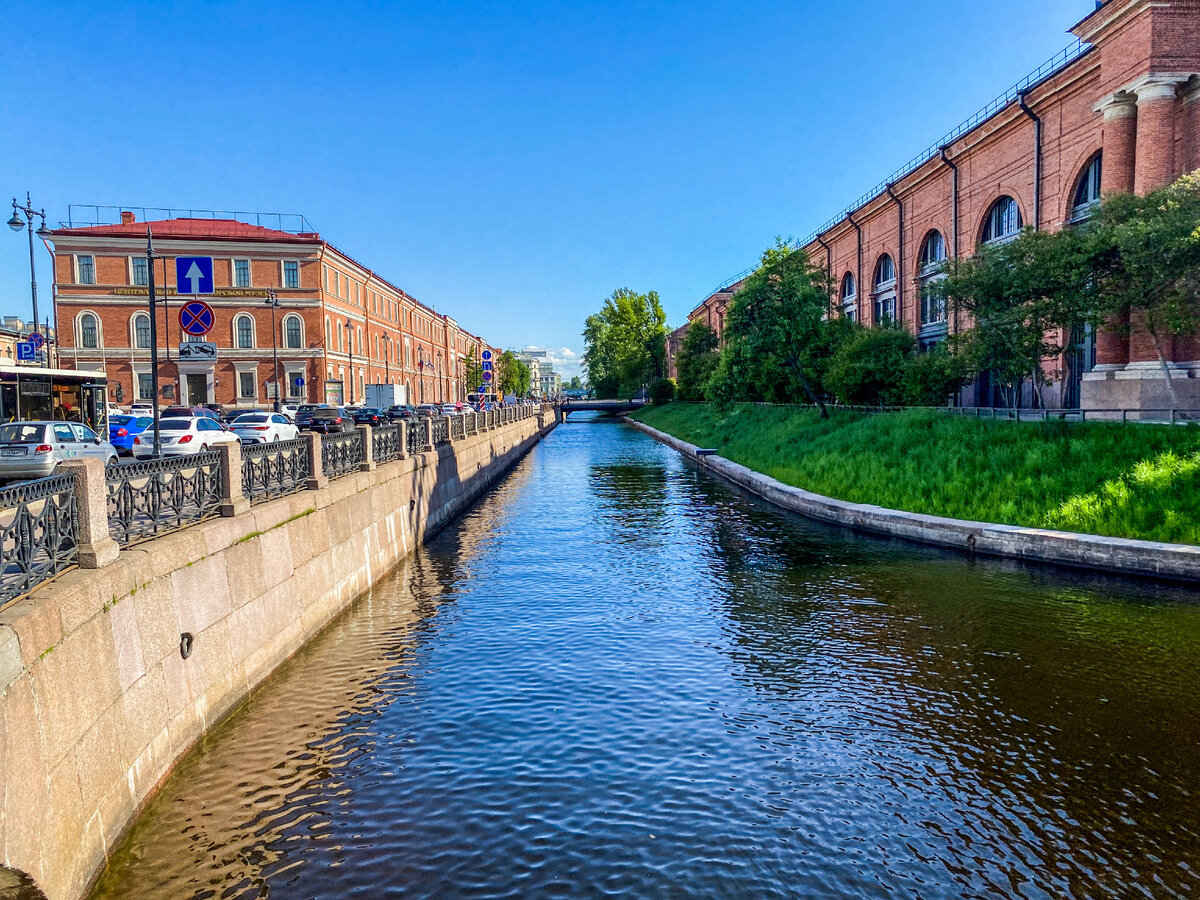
x,y
1119,111
338,325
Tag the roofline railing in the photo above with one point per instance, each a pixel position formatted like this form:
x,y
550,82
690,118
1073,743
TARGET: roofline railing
x,y
87,215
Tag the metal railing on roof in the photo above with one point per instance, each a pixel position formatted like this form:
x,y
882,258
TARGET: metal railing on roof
x,y
86,215
1050,67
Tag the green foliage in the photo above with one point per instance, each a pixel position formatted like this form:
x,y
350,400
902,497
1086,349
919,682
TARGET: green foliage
x,y
512,374
932,377
1146,255
868,369
774,332
574,384
697,361
663,390
472,369
625,344
929,462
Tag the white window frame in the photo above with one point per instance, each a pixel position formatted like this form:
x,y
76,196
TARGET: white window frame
x,y
283,270
237,345
133,320
249,272
283,338
133,267
79,269
79,317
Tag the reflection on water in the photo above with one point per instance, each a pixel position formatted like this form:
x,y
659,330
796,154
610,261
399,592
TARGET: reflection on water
x,y
618,676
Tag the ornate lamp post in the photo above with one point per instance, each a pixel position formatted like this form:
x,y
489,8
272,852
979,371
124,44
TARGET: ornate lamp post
x,y
349,326
273,302
16,224
421,370
386,339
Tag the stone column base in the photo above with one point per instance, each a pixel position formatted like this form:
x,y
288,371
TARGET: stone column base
x,y
1140,388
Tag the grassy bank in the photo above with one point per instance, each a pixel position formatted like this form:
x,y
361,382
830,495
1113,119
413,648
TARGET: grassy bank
x,y
1136,481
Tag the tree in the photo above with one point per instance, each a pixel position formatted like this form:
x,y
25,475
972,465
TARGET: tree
x,y
473,369
1025,298
625,343
512,374
868,369
575,384
776,337
697,361
1146,255
663,390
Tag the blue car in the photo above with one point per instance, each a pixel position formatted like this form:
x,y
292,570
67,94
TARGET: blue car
x,y
123,429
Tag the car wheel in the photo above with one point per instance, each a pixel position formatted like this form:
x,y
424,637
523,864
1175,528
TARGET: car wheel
x,y
112,460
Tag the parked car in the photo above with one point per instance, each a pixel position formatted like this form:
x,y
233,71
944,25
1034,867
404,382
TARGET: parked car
x,y
450,409
264,428
304,414
290,410
401,412
34,449
123,429
369,416
142,408
428,411
183,437
329,420
217,408
230,417
176,412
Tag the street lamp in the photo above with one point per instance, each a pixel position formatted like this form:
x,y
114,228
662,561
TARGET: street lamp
x,y
421,370
349,326
387,352
16,224
273,302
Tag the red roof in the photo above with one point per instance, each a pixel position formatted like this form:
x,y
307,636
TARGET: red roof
x,y
194,229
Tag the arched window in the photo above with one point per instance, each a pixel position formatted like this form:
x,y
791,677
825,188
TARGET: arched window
x,y
293,333
933,251
885,290
328,341
1087,191
933,307
885,271
849,295
244,332
141,331
89,332
1002,222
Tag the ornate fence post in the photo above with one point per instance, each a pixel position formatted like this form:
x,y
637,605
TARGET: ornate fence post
x,y
429,433
95,545
368,449
402,439
233,501
317,478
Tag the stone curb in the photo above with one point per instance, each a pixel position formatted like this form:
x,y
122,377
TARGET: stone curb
x,y
1086,551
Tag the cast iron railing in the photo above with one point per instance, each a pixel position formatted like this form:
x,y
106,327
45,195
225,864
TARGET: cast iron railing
x,y
39,528
342,453
416,436
385,443
441,431
458,427
273,470
150,498
471,424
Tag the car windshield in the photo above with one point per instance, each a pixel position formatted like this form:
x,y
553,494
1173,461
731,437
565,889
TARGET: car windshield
x,y
175,425
21,433
252,418
119,420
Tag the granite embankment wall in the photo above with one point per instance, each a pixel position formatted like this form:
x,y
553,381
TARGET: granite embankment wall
x,y
98,702
1085,551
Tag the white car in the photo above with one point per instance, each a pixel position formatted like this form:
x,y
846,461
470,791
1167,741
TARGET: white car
x,y
264,428
142,408
183,437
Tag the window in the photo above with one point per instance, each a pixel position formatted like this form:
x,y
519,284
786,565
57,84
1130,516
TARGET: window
x,y
1003,221
1087,191
849,309
141,332
295,379
89,332
63,434
293,337
885,290
933,251
291,274
87,269
885,271
141,273
244,328
328,340
246,386
145,386
933,255
241,273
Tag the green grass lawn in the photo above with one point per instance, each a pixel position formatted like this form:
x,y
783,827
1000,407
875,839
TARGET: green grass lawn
x,y
1137,481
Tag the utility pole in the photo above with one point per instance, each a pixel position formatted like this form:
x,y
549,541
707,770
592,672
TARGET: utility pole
x,y
153,340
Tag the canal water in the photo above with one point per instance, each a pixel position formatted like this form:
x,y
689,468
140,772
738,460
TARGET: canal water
x,y
618,676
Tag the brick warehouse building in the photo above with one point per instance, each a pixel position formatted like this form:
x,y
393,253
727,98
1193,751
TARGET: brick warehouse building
x,y
1119,111
338,326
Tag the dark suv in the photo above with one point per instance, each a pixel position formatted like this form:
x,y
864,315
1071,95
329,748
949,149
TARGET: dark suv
x,y
401,411
327,420
369,416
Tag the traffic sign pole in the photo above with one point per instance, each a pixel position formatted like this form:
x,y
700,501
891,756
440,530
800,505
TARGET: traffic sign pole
x,y
153,342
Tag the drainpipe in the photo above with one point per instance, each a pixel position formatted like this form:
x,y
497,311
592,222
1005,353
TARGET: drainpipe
x,y
900,262
828,266
953,201
1037,160
858,265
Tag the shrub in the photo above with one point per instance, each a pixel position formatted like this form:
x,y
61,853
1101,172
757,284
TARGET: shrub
x,y
931,378
869,368
663,390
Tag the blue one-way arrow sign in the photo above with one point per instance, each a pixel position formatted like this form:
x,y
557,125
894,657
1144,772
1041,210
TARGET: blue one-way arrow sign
x,y
194,274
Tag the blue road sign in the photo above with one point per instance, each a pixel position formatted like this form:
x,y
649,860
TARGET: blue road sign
x,y
26,352
486,354
194,274
298,381
196,317
36,339
487,366
487,376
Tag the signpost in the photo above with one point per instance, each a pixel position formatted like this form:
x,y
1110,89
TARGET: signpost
x,y
196,318
26,352
196,272
36,339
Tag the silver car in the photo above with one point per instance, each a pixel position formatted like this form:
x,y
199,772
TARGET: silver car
x,y
34,449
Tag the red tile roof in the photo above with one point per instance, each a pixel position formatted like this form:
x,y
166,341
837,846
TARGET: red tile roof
x,y
195,229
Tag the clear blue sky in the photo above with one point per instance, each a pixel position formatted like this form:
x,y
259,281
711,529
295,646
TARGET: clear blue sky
x,y
510,164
